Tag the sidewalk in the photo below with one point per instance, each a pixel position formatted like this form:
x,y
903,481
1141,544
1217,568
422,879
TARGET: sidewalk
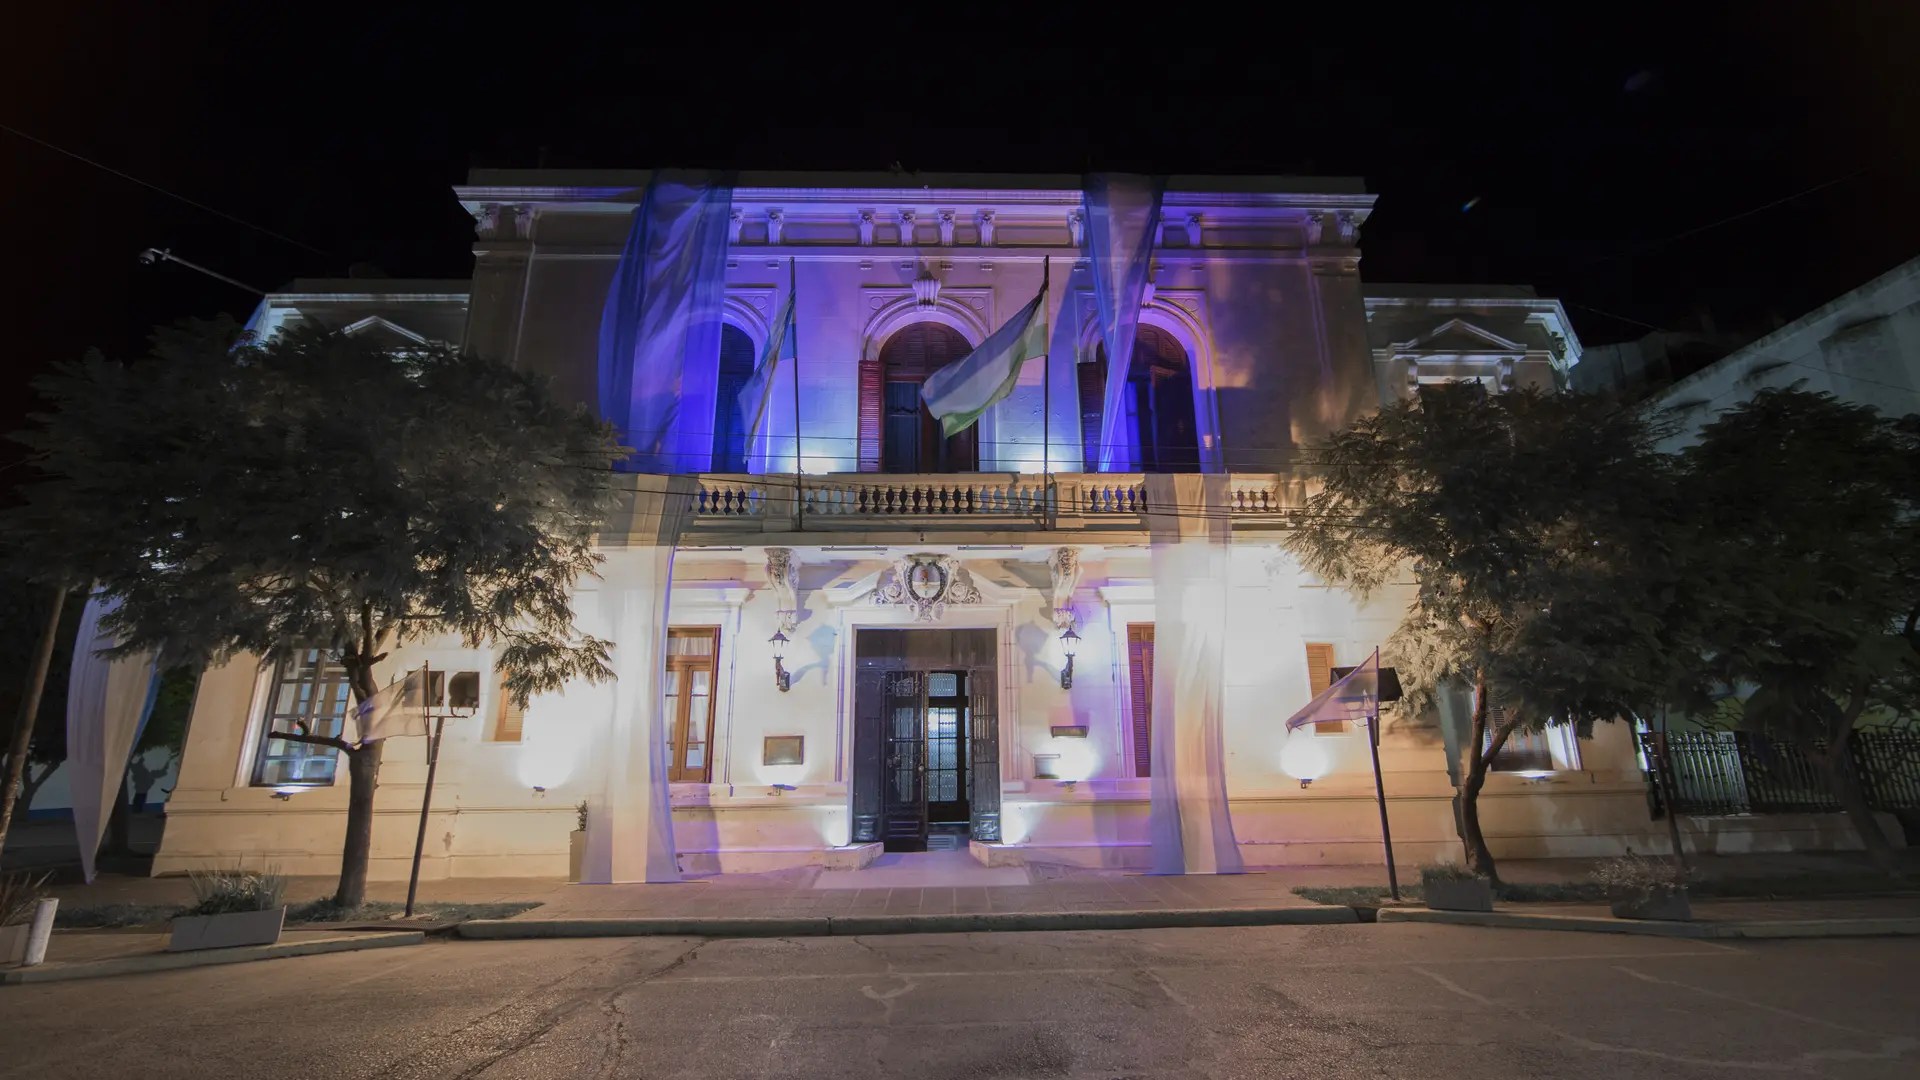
x,y
92,954
1888,916
949,891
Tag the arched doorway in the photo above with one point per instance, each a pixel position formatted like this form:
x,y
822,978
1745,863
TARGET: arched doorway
x,y
1159,404
906,438
730,448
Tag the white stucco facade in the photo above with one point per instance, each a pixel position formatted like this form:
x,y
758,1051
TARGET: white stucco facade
x,y
1863,348
1257,281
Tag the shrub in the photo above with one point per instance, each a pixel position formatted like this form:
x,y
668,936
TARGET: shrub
x,y
1639,874
222,891
582,810
18,893
1446,872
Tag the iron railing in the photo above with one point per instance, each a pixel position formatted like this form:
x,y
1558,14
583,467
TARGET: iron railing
x,y
1737,772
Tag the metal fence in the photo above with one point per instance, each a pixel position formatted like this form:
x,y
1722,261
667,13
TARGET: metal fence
x,y
1736,772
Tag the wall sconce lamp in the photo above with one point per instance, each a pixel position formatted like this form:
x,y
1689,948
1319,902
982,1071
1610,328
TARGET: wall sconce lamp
x,y
780,676
1069,644
1306,782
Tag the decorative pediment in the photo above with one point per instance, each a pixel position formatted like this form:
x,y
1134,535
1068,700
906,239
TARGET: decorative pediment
x,y
384,331
1459,336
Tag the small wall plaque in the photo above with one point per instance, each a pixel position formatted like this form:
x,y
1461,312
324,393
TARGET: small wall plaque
x,y
1046,766
783,750
1069,731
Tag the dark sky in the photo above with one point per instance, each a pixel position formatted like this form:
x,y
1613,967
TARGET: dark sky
x,y
1593,142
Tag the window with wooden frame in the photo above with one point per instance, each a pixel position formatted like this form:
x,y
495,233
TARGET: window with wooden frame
x,y
692,655
1524,751
508,718
309,694
1140,682
1319,677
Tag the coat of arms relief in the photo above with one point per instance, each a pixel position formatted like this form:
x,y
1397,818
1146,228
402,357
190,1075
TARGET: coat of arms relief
x,y
927,583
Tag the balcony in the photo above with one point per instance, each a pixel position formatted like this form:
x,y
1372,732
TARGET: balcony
x,y
729,507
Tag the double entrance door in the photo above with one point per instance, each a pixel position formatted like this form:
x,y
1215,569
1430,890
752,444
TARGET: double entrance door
x,y
926,740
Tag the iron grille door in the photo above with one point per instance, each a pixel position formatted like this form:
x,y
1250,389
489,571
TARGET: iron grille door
x,y
869,705
983,718
904,776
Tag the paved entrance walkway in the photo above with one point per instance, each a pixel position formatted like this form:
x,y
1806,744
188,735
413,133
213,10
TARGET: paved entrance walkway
x,y
929,883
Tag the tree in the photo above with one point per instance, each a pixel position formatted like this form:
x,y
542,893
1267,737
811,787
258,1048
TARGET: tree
x,y
1534,526
1813,506
166,730
23,619
320,490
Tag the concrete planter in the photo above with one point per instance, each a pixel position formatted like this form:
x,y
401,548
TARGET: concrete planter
x,y
235,928
13,944
1471,894
1664,902
576,850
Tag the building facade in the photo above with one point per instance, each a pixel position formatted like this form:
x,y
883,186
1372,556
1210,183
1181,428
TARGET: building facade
x,y
868,625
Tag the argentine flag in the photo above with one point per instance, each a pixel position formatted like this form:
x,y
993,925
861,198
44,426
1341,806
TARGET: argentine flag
x,y
961,391
757,394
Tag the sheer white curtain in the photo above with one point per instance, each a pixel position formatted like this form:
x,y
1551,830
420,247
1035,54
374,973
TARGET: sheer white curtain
x,y
1190,827
630,814
107,704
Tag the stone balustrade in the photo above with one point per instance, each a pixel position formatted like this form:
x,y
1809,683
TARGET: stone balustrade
x,y
731,503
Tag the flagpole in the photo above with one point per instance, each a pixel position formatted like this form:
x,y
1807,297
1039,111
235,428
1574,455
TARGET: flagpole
x,y
1379,786
793,291
426,797
1046,402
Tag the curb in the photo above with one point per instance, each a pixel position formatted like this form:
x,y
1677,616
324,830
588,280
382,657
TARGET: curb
x,y
1778,929
135,965
960,923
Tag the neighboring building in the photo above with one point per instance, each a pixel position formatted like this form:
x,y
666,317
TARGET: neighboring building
x,y
924,584
1863,347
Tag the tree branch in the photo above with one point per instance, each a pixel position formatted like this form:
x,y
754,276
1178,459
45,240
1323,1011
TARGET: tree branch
x,y
316,740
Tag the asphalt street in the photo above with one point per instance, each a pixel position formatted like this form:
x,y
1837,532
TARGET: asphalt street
x,y
1334,1001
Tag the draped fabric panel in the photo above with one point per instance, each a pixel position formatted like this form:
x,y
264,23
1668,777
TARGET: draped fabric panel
x,y
660,328
108,702
630,814
1122,220
1190,827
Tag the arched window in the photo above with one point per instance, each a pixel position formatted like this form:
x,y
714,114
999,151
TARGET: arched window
x,y
897,433
729,420
1159,404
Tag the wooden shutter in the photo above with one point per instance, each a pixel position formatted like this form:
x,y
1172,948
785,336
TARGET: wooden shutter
x,y
508,718
870,410
1140,672
1093,389
1319,677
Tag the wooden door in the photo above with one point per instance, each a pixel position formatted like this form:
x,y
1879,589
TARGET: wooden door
x,y
689,688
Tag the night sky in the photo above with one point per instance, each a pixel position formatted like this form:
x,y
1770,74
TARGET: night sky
x,y
1605,153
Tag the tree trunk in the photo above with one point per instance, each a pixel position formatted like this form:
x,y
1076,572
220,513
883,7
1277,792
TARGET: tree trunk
x,y
1479,858
1837,763
30,786
363,776
29,711
363,772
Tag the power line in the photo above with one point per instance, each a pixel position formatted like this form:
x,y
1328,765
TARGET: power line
x,y
132,179
1729,219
